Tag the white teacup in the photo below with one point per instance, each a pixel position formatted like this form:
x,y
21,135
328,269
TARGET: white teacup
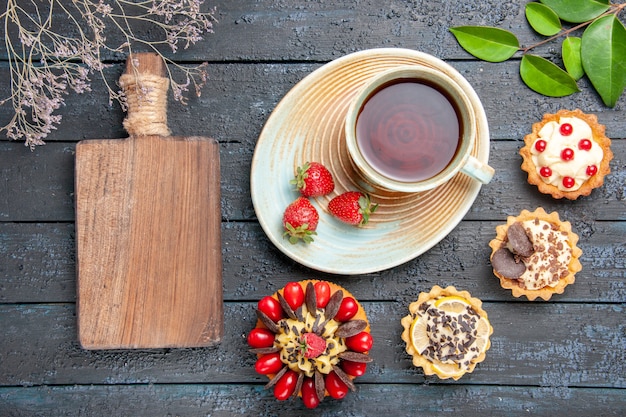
x,y
412,128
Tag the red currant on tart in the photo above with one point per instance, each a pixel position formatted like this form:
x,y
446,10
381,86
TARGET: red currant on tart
x,y
568,182
584,144
566,129
545,172
540,145
592,170
320,341
567,154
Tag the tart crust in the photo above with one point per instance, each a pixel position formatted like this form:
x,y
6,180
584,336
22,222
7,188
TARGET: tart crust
x,y
599,137
425,363
574,265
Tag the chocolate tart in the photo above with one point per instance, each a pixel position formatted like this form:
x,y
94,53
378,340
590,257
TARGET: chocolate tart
x,y
535,254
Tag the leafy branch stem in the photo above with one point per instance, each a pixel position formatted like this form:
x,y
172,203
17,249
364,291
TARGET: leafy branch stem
x,y
615,9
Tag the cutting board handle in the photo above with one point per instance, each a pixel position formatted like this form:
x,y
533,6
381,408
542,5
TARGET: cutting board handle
x,y
145,85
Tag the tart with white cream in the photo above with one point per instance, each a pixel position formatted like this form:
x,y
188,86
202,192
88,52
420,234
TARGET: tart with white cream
x,y
446,332
567,154
535,254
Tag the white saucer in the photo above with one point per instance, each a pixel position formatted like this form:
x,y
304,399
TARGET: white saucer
x,y
307,125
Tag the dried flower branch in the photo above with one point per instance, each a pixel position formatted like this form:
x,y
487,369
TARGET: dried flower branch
x,y
46,65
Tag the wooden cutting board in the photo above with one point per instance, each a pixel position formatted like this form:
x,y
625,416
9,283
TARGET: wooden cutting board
x,y
148,223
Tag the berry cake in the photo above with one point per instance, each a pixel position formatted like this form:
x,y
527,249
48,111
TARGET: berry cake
x,y
567,154
311,339
447,332
535,254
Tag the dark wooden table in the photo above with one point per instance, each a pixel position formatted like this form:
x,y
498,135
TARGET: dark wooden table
x,y
562,357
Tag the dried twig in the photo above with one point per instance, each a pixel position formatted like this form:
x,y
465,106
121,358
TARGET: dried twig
x,y
45,65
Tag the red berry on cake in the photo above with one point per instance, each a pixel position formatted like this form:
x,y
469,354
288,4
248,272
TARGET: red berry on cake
x,y
312,345
584,144
568,182
566,129
545,172
540,145
567,154
592,170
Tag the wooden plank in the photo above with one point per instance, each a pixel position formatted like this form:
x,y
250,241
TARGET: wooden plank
x,y
239,98
462,258
321,30
534,344
38,186
370,399
37,264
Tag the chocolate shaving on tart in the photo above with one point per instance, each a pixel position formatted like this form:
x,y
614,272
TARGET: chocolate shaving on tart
x,y
355,357
320,385
269,323
298,385
519,242
310,298
276,377
266,350
285,306
351,328
505,263
344,377
299,315
333,305
317,325
451,336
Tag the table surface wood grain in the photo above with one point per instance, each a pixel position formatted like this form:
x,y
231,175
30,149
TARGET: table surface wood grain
x,y
562,357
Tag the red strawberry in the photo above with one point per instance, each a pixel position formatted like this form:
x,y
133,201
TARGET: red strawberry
x,y
312,345
300,221
313,179
352,207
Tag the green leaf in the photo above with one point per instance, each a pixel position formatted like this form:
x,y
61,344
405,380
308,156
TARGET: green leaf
x,y
543,19
570,49
603,52
578,11
545,77
486,42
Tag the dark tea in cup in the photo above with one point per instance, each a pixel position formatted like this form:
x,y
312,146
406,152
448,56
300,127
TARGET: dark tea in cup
x,y
408,130
412,128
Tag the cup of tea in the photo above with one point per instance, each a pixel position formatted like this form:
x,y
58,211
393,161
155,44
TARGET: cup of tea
x,y
412,128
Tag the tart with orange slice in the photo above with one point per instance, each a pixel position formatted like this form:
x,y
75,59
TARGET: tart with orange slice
x,y
312,339
447,332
